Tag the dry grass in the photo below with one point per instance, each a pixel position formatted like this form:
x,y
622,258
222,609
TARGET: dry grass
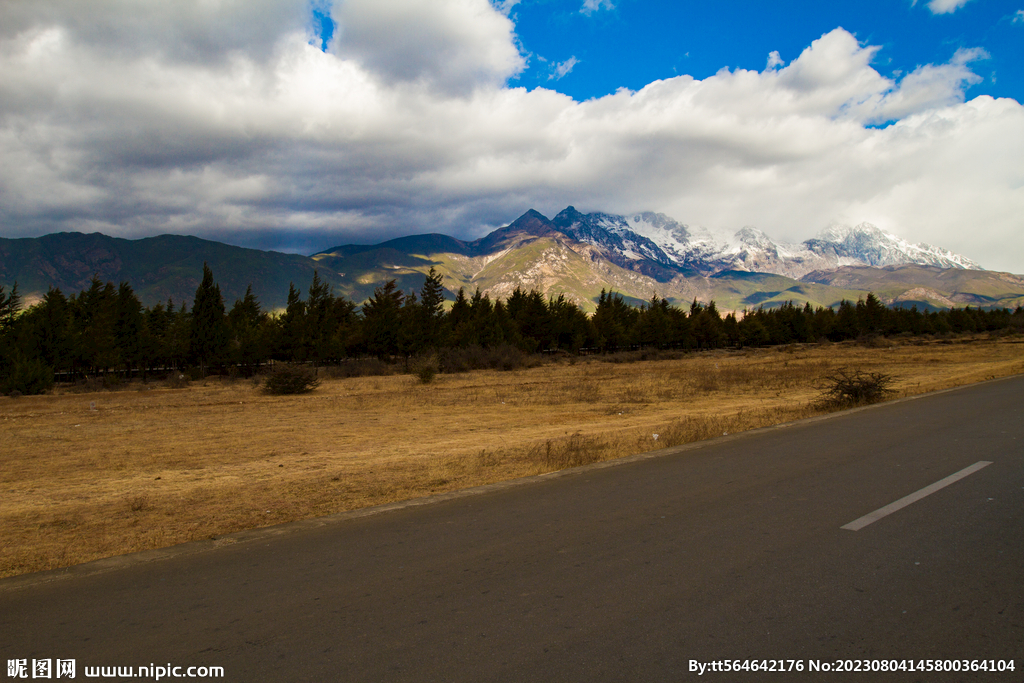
x,y
90,475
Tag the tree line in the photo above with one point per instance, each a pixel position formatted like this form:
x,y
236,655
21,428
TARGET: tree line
x,y
106,329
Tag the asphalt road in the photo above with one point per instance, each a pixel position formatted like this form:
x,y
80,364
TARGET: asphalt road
x,y
731,550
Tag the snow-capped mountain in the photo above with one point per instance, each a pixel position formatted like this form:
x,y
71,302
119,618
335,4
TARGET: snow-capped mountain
x,y
868,245
651,241
649,236
611,233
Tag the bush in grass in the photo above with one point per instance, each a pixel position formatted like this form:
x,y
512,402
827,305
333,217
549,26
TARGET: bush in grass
x,y
290,379
845,388
425,369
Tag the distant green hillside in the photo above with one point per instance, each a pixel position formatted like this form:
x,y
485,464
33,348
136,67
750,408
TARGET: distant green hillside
x,y
929,286
737,290
158,268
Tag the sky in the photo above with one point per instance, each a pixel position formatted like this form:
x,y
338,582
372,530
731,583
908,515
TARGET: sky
x,y
297,125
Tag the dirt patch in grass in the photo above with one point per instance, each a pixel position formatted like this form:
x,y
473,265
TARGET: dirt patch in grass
x,y
90,475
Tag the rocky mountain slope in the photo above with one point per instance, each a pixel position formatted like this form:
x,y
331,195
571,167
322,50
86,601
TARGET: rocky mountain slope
x,y
574,254
650,254
649,241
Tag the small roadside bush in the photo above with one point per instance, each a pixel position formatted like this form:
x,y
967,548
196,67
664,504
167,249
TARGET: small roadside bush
x,y
425,369
847,388
290,379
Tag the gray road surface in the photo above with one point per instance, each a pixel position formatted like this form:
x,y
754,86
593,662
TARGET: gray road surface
x,y
730,550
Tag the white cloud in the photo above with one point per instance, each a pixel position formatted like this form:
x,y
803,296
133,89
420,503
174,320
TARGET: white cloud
x,y
505,6
452,44
1018,18
591,6
564,69
193,31
946,6
263,138
774,60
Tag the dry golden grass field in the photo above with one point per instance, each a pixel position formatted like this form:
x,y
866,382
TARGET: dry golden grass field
x,y
91,475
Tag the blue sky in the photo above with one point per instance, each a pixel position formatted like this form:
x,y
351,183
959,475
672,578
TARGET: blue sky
x,y
630,43
299,125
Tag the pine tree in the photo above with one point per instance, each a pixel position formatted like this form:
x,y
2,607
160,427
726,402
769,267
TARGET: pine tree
x,y
344,327
209,331
93,315
706,324
431,310
128,324
51,329
460,320
318,319
845,326
246,321
9,356
614,322
291,345
179,330
569,327
382,320
154,336
10,304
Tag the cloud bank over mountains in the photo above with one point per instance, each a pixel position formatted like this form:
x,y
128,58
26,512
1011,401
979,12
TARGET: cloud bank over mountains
x,y
226,120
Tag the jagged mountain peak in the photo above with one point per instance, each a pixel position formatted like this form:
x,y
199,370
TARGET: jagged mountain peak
x,y
612,234
867,244
647,238
837,232
533,222
568,216
750,236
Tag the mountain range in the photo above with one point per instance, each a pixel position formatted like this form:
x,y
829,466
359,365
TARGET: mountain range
x,y
649,254
574,254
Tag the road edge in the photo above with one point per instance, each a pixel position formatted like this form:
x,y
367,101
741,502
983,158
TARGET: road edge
x,y
116,562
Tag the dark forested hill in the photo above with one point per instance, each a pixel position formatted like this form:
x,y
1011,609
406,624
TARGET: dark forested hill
x,y
158,268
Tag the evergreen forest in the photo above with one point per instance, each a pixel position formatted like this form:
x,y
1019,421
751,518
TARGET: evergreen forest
x,y
106,331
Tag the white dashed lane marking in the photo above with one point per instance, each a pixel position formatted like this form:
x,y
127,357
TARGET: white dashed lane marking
x,y
878,514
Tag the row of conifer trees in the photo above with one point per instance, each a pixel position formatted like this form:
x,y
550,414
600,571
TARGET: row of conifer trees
x,y
106,329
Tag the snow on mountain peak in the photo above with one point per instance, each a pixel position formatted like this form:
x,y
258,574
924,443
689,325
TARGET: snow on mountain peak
x,y
873,246
661,241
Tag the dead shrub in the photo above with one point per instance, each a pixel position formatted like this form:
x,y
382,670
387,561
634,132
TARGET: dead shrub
x,y
846,388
